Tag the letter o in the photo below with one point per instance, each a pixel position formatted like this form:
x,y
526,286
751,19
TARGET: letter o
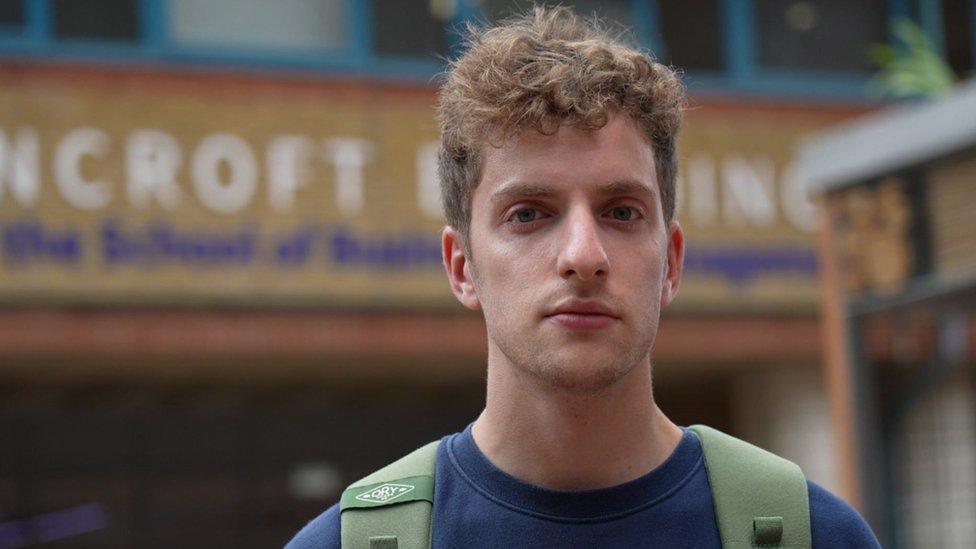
x,y
237,192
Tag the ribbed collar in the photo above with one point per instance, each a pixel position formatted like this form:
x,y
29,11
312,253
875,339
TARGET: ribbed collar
x,y
572,506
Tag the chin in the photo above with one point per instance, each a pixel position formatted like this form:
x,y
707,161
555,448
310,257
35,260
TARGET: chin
x,y
589,376
582,364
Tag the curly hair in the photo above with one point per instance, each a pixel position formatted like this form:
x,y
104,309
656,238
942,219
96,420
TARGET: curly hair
x,y
540,71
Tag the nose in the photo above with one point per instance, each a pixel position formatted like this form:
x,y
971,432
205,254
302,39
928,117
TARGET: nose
x,y
582,254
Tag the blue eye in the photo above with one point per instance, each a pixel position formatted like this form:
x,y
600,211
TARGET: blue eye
x,y
623,213
527,215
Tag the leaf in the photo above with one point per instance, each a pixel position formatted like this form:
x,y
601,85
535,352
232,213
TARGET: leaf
x,y
911,67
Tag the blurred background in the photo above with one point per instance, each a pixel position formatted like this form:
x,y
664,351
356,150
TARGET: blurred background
x,y
221,298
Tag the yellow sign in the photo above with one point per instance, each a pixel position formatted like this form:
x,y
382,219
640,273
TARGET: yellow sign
x,y
167,189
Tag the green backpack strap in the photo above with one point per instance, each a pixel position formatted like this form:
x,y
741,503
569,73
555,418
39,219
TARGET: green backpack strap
x,y
760,499
391,508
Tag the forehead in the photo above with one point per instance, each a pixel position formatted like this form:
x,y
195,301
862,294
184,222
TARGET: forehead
x,y
570,159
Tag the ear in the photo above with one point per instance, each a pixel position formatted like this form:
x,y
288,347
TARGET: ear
x,y
458,268
675,263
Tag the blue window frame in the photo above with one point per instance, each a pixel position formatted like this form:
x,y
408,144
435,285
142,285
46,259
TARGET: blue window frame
x,y
17,22
739,70
748,74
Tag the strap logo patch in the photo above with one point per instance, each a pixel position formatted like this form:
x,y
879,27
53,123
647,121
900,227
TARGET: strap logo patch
x,y
385,492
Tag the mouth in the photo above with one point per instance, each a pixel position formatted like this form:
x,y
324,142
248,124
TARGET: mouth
x,y
583,316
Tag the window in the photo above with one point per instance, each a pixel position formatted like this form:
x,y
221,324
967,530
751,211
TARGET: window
x,y
692,33
806,47
957,20
260,24
819,34
113,20
11,13
412,28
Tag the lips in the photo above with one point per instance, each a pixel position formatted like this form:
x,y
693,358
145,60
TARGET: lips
x,y
583,315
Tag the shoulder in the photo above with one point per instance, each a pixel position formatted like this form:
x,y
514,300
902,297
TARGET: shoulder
x,y
835,524
322,531
325,530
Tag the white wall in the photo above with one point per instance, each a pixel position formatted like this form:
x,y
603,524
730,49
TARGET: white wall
x,y
784,409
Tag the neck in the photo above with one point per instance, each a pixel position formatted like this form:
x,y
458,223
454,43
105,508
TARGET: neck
x,y
563,440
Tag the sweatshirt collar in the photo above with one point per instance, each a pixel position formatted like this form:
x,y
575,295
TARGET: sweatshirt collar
x,y
574,506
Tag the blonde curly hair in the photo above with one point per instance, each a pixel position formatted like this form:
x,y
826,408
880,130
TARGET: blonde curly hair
x,y
539,71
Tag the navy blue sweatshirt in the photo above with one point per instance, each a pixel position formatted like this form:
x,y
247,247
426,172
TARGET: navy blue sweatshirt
x,y
478,505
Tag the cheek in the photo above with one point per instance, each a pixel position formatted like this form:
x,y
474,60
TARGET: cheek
x,y
643,266
507,284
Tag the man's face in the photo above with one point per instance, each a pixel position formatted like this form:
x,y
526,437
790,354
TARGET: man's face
x,y
570,259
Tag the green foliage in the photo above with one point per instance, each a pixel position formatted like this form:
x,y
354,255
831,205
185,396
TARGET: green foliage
x,y
911,67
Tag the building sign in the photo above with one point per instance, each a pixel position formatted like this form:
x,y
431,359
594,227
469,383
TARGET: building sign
x,y
875,224
119,188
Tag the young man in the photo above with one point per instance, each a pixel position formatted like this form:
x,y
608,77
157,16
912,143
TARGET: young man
x,y
558,170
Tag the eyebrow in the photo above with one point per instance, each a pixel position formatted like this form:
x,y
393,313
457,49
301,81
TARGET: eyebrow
x,y
522,190
535,190
625,186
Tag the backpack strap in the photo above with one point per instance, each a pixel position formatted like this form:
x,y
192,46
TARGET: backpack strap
x,y
391,508
760,499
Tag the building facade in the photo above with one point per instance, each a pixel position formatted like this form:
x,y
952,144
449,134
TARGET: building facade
x,y
221,297
899,259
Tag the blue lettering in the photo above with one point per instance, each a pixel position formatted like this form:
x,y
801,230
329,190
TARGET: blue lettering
x,y
293,249
385,251
743,265
27,241
345,248
115,247
160,243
